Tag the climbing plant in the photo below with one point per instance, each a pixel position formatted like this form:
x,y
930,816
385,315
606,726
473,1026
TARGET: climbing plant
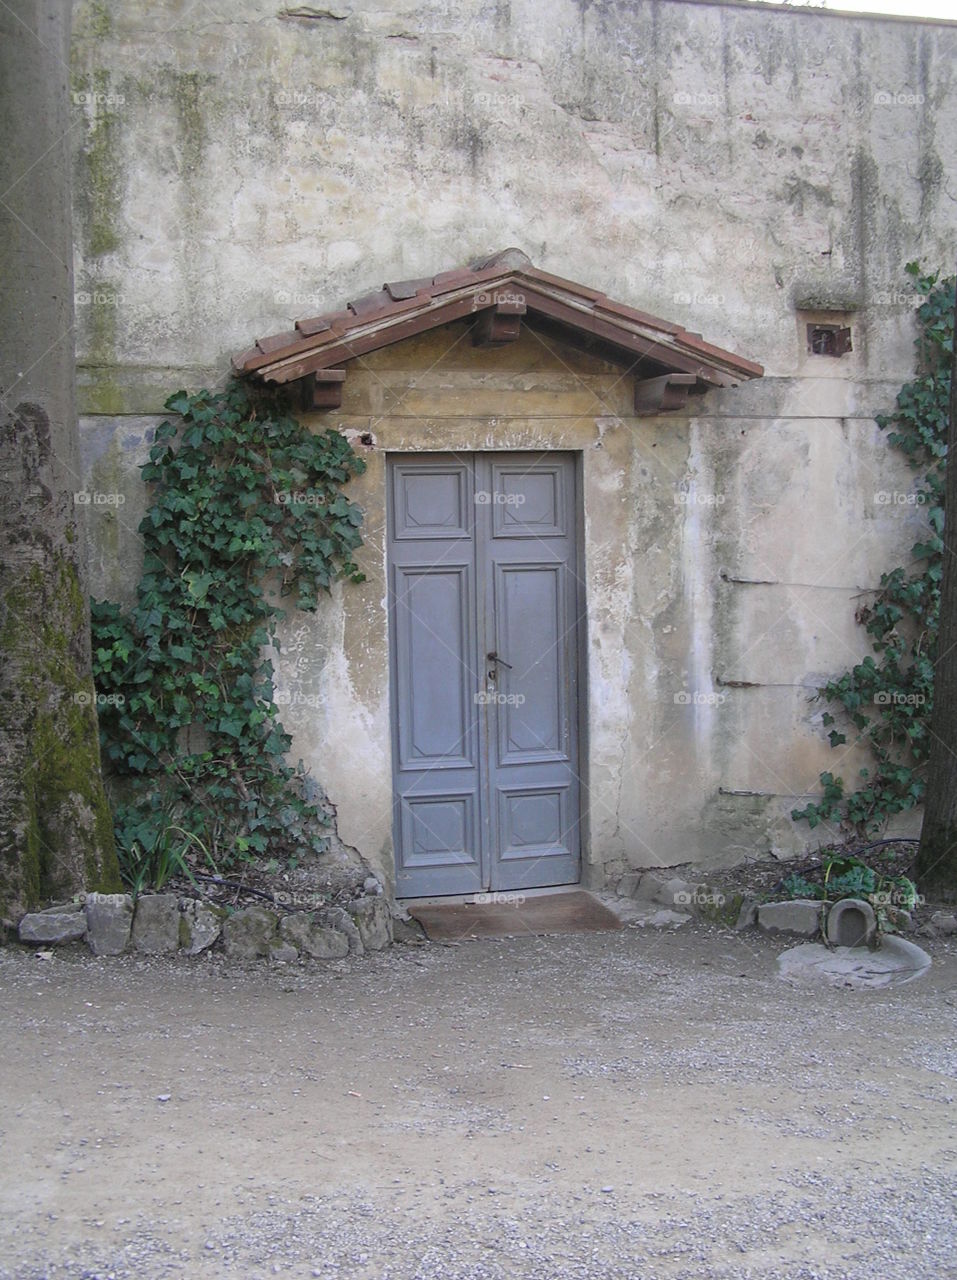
x,y
844,875
246,508
887,697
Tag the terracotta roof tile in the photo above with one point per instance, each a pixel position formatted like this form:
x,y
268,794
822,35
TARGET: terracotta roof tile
x,y
370,303
240,361
314,325
277,341
340,321
448,279
402,308
401,289
379,305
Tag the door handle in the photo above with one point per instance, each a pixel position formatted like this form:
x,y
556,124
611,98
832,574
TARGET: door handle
x,y
493,657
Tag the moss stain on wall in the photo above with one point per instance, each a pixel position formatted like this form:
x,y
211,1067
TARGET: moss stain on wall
x,y
65,820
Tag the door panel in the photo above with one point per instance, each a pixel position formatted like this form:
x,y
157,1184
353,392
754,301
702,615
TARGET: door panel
x,y
432,641
530,619
529,504
534,822
484,613
439,831
431,502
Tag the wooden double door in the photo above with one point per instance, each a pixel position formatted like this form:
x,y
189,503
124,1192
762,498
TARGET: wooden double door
x,y
485,606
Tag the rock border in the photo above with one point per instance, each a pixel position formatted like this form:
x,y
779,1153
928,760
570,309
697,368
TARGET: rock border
x,y
167,924
113,924
664,900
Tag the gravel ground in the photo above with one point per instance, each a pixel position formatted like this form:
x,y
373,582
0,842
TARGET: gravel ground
x,y
600,1106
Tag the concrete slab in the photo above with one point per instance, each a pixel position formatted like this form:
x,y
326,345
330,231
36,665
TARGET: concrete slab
x,y
897,961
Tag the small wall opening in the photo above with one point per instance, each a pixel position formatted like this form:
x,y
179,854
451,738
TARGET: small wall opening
x,y
828,340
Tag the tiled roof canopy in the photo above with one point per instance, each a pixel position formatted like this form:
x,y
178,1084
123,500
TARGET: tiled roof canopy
x,y
498,295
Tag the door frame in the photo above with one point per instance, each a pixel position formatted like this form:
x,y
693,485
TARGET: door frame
x,y
580,711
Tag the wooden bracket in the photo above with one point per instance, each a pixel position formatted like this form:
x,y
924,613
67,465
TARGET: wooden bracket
x,y
499,322
322,390
663,395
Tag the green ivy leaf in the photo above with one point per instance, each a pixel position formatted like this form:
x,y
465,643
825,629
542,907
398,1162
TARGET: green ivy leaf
x,y
187,657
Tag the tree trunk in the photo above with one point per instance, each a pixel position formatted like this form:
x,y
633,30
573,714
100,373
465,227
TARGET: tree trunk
x,y
937,858
56,834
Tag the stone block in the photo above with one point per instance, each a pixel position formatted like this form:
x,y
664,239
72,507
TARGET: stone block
x,y
748,915
408,930
374,922
249,934
627,886
199,926
311,937
650,884
901,918
283,952
944,922
340,919
156,924
53,927
662,919
669,891
109,920
801,916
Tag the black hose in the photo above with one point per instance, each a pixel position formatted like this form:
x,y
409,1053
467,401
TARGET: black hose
x,y
256,893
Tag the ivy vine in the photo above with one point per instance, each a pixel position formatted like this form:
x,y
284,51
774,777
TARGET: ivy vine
x,y
247,508
887,697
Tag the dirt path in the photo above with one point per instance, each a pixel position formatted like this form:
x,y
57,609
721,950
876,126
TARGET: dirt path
x,y
606,1105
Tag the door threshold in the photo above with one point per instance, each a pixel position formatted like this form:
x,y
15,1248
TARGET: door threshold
x,y
466,899
558,909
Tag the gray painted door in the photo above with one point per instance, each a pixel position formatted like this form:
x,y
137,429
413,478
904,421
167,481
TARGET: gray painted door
x,y
485,607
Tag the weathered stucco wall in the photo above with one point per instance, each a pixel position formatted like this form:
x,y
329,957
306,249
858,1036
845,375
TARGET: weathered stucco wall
x,y
719,165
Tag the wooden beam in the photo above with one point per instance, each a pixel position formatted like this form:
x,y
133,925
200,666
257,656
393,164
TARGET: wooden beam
x,y
348,347
499,323
322,390
663,395
660,349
